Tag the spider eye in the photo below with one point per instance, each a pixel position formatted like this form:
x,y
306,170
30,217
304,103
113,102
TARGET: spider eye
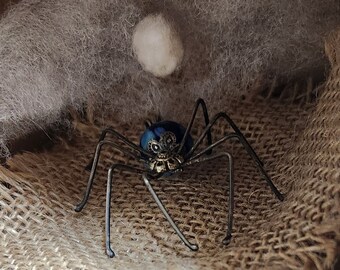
x,y
168,139
154,146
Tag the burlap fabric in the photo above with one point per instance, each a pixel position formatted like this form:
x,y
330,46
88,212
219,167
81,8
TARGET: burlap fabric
x,y
301,149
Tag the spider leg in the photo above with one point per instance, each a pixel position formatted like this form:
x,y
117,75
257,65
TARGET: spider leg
x,y
227,239
243,141
122,167
122,138
94,164
193,247
235,128
193,116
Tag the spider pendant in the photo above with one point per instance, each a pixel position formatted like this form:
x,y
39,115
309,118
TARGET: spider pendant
x,y
165,148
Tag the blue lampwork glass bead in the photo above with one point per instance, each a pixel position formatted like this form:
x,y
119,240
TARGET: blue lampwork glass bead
x,y
165,136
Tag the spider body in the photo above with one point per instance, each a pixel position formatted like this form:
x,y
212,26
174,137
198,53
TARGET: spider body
x,y
166,147
163,140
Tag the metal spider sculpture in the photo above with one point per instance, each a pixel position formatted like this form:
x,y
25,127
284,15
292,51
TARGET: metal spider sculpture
x,y
165,148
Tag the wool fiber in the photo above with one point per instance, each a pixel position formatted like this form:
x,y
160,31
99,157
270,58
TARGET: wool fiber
x,y
157,45
59,54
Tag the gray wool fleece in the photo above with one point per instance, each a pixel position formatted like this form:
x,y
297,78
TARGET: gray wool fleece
x,y
60,53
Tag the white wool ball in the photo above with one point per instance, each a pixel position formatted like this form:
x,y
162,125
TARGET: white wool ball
x,y
157,45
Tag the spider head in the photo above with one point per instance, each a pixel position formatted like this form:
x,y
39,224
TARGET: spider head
x,y
162,140
166,157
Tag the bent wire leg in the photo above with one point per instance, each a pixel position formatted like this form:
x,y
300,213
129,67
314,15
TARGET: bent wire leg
x,y
235,128
227,239
244,142
81,205
243,139
124,167
277,193
259,165
193,116
193,247
121,138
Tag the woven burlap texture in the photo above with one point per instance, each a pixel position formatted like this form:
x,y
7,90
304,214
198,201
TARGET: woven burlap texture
x,y
300,147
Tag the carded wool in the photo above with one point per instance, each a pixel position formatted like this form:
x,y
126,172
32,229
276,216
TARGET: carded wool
x,y
58,54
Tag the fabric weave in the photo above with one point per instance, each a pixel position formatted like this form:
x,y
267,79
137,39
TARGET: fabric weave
x,y
300,148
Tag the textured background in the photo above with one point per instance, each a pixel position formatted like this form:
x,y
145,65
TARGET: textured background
x,y
61,54
299,144
297,137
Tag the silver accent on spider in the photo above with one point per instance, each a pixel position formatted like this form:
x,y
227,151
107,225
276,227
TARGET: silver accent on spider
x,y
166,159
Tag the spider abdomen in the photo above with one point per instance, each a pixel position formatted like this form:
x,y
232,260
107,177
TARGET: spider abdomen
x,y
156,130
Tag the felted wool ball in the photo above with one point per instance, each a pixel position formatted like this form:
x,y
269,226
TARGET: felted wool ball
x,y
157,45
